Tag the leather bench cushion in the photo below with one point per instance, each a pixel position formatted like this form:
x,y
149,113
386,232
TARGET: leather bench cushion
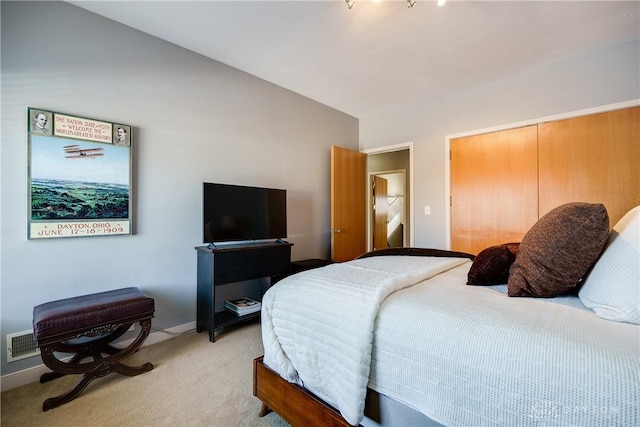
x,y
72,316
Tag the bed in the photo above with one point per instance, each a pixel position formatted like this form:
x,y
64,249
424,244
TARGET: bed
x,y
406,337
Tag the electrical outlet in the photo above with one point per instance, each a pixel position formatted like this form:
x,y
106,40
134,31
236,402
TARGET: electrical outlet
x,y
427,210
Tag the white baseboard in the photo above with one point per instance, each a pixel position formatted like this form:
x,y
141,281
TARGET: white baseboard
x,y
30,375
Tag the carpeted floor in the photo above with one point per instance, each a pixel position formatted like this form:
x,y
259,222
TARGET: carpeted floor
x,y
193,383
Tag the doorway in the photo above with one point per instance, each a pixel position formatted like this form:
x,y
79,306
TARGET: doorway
x,y
351,196
387,212
395,165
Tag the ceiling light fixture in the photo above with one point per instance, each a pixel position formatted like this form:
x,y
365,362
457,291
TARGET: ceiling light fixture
x,y
410,3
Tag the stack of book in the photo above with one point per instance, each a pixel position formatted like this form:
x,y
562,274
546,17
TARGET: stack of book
x,y
242,306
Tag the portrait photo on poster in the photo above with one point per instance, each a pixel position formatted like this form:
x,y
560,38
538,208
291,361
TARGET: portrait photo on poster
x,y
121,135
40,122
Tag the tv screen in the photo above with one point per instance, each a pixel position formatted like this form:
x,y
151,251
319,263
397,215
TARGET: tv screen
x,y
240,213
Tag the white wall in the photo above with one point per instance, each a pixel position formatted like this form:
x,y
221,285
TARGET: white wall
x,y
607,77
194,120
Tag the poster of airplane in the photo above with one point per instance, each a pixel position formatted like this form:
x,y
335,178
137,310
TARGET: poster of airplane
x,y
79,179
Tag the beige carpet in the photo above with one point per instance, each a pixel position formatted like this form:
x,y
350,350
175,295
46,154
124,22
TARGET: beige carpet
x,y
193,383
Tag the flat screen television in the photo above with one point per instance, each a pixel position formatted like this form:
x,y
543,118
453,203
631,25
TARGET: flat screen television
x,y
238,213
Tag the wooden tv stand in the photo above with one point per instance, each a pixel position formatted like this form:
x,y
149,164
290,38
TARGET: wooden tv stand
x,y
230,264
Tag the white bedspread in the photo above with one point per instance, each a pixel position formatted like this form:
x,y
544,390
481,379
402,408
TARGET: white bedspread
x,y
317,326
462,355
470,355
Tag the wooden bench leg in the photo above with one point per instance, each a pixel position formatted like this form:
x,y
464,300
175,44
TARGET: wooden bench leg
x,y
54,402
105,359
50,376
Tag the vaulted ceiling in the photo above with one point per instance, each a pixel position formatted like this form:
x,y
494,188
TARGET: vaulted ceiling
x,y
379,56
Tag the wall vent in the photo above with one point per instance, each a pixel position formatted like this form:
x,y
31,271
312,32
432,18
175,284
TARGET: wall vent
x,y
21,345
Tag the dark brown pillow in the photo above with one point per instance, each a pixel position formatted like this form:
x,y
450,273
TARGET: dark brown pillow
x,y
559,250
491,265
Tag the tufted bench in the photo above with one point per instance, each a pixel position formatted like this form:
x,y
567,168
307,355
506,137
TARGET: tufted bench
x,y
85,326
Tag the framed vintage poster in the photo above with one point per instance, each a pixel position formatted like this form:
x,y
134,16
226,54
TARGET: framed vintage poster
x,y
79,171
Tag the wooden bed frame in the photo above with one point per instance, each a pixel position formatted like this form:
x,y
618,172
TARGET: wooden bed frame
x,y
299,407
293,403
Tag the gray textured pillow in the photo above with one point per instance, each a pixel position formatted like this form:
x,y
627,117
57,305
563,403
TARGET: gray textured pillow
x,y
559,250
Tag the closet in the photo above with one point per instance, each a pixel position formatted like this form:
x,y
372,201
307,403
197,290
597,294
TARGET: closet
x,y
503,182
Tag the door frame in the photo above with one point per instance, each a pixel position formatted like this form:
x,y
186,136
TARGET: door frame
x,y
409,212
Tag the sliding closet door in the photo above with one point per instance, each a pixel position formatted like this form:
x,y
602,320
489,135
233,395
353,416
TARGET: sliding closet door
x,y
494,188
594,159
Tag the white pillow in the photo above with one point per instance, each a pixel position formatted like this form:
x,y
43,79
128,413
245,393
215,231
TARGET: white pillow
x,y
612,288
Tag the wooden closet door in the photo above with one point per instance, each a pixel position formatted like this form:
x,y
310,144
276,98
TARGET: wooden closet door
x,y
494,188
594,159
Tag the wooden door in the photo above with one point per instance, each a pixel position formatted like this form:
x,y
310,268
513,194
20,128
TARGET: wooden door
x,y
593,159
348,203
380,213
494,188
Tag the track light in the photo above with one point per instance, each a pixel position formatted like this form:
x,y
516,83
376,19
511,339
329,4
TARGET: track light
x,y
410,3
